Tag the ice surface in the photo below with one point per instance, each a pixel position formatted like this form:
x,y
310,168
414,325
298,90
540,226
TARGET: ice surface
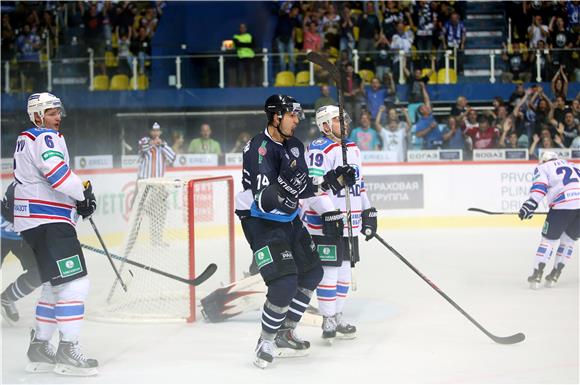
x,y
407,332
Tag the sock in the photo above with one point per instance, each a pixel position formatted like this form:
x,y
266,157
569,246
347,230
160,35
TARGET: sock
x,y
565,250
544,251
272,318
45,324
70,307
326,291
342,285
297,307
20,288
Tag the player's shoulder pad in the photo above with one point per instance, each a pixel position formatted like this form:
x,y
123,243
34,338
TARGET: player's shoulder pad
x,y
320,144
35,132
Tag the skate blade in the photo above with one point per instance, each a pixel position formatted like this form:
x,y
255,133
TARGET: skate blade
x,y
328,341
534,285
67,370
261,363
290,353
39,367
351,336
550,284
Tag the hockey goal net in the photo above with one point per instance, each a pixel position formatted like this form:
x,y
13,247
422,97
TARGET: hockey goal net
x,y
177,226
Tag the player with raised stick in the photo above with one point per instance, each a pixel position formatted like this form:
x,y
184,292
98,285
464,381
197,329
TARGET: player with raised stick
x,y
559,181
49,197
323,156
275,170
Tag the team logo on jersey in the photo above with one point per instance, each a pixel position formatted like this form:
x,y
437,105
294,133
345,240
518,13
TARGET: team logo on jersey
x,y
262,151
69,266
263,257
327,253
318,141
295,151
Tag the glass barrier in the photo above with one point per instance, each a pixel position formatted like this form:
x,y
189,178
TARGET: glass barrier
x,y
481,65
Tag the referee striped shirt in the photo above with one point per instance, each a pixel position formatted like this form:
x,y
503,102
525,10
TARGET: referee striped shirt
x,y
153,158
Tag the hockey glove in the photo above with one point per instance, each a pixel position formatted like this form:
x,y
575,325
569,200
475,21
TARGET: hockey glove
x,y
8,203
333,224
292,180
369,223
87,206
527,209
341,176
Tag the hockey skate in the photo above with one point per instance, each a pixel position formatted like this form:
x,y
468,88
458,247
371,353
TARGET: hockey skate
x,y
265,352
9,312
328,329
41,355
288,344
536,276
552,278
344,330
70,361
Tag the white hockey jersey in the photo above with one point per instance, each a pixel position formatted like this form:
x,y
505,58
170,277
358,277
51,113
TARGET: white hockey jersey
x,y
322,156
559,181
47,189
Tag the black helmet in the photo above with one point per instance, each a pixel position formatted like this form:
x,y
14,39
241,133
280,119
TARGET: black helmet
x,y
279,104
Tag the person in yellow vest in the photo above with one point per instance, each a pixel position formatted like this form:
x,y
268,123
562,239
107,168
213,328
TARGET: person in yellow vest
x,y
244,43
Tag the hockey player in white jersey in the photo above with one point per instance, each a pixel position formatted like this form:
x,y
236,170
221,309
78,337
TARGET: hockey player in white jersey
x,y
49,197
323,155
559,181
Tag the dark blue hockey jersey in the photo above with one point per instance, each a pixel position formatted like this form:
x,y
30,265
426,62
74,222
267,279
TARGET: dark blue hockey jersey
x,y
262,161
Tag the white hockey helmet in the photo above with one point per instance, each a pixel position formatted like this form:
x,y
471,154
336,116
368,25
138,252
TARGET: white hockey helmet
x,y
325,114
41,102
547,156
156,126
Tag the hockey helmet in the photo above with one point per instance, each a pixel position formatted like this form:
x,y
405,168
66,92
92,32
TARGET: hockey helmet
x,y
156,126
279,104
41,102
547,156
325,114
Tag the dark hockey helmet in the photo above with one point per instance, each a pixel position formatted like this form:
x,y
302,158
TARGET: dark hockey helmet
x,y
279,104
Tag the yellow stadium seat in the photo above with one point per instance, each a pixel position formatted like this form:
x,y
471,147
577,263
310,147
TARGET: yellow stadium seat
x,y
303,78
285,79
119,82
432,76
142,82
355,32
101,83
441,76
366,75
110,59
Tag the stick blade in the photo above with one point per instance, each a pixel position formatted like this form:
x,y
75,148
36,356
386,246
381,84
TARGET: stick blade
x,y
323,62
478,210
516,338
205,275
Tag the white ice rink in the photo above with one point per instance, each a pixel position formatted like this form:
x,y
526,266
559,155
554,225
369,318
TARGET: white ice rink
x,y
407,332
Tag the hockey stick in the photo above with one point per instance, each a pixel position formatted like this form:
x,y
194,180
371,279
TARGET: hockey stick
x,y
108,255
513,339
204,276
334,73
477,210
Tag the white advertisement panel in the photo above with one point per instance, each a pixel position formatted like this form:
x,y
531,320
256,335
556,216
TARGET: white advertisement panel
x,y
398,191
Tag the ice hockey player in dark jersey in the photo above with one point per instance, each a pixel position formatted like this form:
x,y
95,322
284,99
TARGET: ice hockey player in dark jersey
x,y
12,241
275,171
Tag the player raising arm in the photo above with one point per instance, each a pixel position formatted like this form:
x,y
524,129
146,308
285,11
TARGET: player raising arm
x,y
49,197
323,156
559,181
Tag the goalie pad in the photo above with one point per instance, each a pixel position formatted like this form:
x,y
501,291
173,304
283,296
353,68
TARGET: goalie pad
x,y
246,295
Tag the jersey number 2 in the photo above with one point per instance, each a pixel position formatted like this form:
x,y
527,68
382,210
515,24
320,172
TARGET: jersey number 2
x,y
568,174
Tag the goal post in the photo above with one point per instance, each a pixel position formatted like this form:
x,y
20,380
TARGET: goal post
x,y
178,226
192,243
